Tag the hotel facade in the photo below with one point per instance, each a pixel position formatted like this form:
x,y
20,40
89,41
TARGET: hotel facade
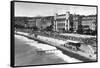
x,y
61,22
77,23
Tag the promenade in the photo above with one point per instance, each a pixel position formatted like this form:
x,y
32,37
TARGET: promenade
x,y
25,53
56,42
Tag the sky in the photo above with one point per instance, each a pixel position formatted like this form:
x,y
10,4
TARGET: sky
x,y
37,9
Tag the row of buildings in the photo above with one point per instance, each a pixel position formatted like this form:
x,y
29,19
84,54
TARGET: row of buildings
x,y
75,23
64,22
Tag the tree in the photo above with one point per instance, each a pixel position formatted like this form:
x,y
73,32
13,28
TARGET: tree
x,y
35,28
49,28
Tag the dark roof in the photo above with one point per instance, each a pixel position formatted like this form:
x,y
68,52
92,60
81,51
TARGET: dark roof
x,y
61,15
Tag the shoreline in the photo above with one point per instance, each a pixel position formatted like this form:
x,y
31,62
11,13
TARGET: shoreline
x,y
63,58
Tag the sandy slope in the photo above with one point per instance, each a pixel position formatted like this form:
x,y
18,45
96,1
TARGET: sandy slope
x,y
25,55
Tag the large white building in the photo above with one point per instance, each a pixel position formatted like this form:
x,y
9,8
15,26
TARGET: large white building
x,y
61,22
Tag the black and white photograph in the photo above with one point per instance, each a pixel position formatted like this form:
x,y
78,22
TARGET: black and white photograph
x,y
53,33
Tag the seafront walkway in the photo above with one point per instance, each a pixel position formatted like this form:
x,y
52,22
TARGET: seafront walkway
x,y
58,42
26,52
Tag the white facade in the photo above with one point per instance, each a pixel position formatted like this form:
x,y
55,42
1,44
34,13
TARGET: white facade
x,y
62,22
